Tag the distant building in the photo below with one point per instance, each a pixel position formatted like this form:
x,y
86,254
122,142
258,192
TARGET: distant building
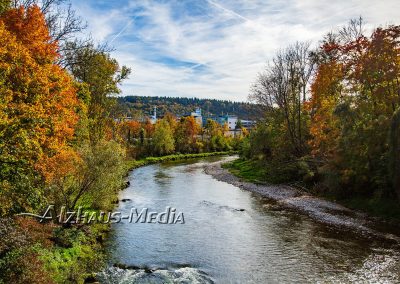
x,y
122,119
206,118
153,118
230,120
197,116
248,124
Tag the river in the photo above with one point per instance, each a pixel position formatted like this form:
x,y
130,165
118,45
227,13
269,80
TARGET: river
x,y
232,236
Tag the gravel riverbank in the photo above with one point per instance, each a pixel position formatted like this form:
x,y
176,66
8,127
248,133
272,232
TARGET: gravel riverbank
x,y
327,212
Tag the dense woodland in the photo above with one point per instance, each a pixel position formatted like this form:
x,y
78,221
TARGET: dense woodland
x,y
56,142
332,119
171,136
139,106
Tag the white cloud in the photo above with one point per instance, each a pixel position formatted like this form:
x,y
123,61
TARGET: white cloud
x,y
228,42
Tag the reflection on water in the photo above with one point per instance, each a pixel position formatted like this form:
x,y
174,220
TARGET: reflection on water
x,y
232,236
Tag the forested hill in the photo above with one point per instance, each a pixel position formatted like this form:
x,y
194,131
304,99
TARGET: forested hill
x,y
140,105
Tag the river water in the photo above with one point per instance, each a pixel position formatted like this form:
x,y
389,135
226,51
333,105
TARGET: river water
x,y
232,236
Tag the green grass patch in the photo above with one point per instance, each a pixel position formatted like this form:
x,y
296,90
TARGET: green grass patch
x,y
133,164
248,170
259,172
76,254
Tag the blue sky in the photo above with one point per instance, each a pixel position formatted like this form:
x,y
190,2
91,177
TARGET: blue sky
x,y
214,48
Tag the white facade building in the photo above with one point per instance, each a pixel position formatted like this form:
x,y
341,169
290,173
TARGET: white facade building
x,y
232,121
197,116
153,118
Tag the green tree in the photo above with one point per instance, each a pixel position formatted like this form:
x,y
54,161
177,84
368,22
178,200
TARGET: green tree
x,y
102,74
217,141
163,139
91,178
4,5
239,124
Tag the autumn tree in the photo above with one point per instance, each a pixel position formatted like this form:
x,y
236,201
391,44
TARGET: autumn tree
x,y
102,74
37,108
45,154
186,135
326,93
216,139
62,22
163,139
133,130
148,128
91,176
354,96
171,119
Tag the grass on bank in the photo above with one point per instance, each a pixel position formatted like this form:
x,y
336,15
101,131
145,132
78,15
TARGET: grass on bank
x,y
258,172
133,164
248,170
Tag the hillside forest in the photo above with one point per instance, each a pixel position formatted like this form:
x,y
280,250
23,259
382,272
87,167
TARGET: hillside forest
x,y
140,106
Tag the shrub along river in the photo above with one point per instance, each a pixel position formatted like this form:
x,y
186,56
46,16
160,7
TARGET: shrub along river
x,y
232,236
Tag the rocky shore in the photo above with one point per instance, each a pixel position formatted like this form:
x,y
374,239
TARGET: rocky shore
x,y
323,211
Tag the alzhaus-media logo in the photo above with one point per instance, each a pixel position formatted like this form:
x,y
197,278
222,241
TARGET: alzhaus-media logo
x,y
80,216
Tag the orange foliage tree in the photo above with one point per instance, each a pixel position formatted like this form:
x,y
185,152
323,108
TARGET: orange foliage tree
x,y
355,94
38,105
325,91
186,135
